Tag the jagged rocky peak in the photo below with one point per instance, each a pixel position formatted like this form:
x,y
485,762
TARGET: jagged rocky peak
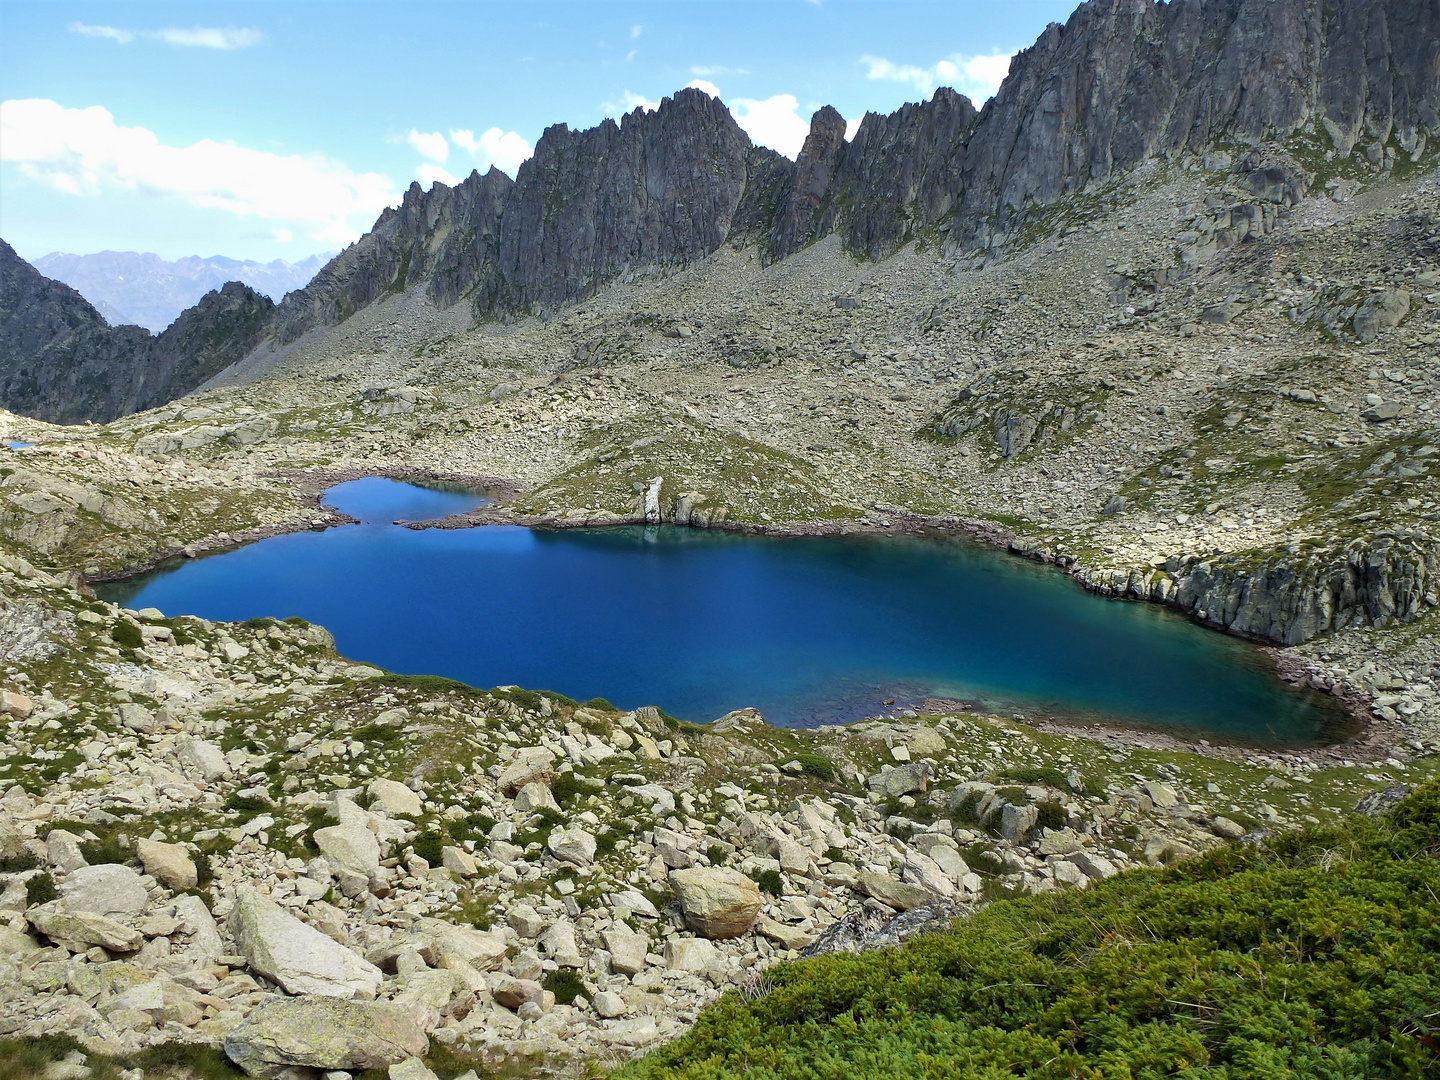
x,y
1127,80
659,188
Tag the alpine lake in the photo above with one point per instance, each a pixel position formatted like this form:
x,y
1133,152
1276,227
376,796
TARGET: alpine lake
x,y
809,630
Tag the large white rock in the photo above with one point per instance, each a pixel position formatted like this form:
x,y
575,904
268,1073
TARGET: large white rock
x,y
352,847
950,861
169,864
572,845
924,871
205,943
559,944
627,949
530,764
107,889
324,1035
482,951
690,954
395,798
83,929
203,757
718,902
535,796
297,957
62,851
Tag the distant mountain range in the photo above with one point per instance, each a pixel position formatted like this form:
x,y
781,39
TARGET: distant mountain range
x,y
140,288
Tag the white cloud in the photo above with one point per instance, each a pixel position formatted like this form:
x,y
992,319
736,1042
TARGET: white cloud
x,y
124,37
977,76
628,103
431,145
774,122
631,55
503,149
635,31
429,174
84,152
851,127
704,71
202,37
702,84
206,37
283,236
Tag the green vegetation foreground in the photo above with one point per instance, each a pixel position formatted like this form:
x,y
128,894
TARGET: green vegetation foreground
x,y
1316,954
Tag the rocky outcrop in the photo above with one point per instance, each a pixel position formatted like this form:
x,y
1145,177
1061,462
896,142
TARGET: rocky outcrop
x,y
61,361
1392,577
444,238
657,189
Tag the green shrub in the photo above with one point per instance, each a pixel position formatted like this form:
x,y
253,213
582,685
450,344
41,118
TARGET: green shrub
x,y
822,768
1050,815
1051,777
717,855
296,620
127,635
14,864
834,854
1313,955
378,733
769,881
601,704
428,846
605,842
260,622
569,786
565,985
40,889
107,849
247,806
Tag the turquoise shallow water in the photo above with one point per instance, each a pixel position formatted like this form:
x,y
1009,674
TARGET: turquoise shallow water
x,y
806,630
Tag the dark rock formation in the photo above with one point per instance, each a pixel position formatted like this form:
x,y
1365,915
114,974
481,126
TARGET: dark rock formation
x,y
658,189
1393,577
445,238
62,362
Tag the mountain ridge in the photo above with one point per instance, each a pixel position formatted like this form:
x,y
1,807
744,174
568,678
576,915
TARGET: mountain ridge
x,y
62,362
143,289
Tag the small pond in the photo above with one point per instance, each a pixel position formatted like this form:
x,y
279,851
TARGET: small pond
x,y
813,630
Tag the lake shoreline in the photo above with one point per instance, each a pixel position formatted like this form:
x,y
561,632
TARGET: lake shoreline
x,y
1370,740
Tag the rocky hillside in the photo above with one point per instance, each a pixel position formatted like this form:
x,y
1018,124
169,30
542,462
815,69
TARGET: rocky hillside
x,y
1120,84
62,362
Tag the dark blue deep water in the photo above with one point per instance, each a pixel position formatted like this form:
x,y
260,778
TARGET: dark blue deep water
x,y
698,623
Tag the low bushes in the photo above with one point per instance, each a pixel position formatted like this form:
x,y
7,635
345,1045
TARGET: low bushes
x,y
1314,955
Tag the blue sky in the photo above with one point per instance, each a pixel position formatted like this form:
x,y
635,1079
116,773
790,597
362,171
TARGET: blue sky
x,y
277,130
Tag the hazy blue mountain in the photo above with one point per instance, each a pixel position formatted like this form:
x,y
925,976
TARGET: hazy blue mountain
x,y
146,290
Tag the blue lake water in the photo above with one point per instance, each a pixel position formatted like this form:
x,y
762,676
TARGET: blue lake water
x,y
810,630
16,444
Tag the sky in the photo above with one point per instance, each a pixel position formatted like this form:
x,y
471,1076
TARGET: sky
x,y
263,130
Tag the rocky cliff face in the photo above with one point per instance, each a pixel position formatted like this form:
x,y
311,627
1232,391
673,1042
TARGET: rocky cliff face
x,y
1392,577
1123,81
62,362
